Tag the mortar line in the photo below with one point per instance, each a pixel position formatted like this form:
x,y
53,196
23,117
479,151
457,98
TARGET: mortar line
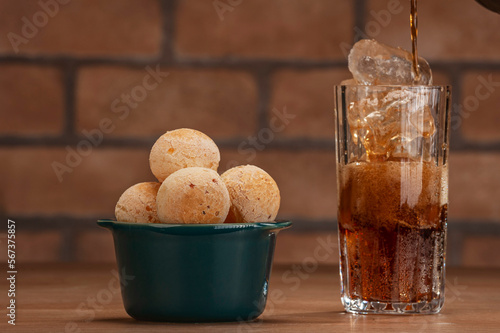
x,y
359,17
68,250
69,99
456,140
168,11
43,222
225,62
264,86
289,144
454,251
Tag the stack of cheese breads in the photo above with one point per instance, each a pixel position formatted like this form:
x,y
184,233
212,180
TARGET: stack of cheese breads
x,y
189,189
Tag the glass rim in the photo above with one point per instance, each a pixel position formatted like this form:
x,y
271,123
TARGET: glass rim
x,y
388,86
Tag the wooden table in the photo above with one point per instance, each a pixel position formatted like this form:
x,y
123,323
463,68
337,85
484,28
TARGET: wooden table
x,y
84,298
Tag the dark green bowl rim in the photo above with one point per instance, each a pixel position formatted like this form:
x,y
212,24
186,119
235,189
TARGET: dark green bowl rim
x,y
194,229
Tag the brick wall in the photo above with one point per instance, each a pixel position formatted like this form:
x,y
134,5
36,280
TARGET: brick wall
x,y
71,70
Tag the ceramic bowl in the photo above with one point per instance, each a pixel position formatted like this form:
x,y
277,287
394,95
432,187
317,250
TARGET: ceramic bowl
x,y
195,272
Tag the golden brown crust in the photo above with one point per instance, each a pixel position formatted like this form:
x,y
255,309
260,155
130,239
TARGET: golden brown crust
x,y
255,196
182,148
193,195
138,204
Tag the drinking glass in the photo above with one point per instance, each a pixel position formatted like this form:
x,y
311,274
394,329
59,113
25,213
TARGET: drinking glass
x,y
392,177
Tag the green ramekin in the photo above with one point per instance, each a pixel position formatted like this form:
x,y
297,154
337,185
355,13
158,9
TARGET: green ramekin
x,y
195,272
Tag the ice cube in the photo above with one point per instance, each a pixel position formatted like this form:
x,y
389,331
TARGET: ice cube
x,y
373,63
399,146
417,149
423,121
374,120
383,126
389,124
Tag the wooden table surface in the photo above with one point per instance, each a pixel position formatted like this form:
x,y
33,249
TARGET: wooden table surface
x,y
84,298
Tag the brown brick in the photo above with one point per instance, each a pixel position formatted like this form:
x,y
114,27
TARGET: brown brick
x,y
39,246
32,100
479,117
84,28
306,179
448,29
220,103
266,29
309,95
474,186
480,252
29,185
293,248
95,246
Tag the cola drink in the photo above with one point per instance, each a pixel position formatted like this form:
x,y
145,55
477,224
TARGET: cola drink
x,y
392,227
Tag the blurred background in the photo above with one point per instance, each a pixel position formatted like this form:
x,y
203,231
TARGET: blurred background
x,y
87,86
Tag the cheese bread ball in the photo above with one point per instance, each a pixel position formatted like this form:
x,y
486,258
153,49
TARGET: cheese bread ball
x,y
138,204
255,196
193,195
182,148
